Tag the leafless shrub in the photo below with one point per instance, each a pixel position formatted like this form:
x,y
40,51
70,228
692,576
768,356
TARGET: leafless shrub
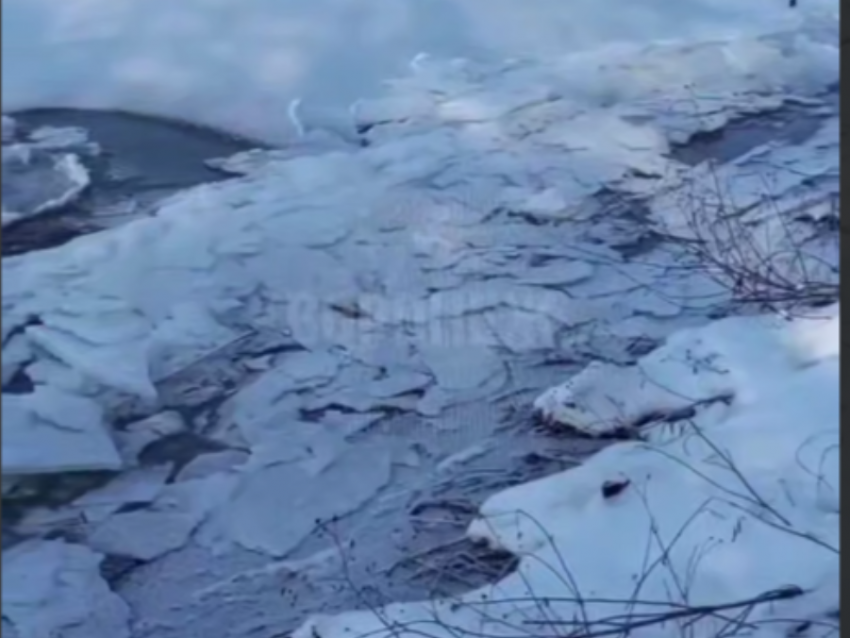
x,y
485,614
771,245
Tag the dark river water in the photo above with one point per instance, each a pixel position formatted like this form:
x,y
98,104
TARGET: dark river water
x,y
142,161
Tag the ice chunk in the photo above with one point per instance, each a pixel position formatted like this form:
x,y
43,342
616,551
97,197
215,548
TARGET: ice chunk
x,y
168,524
250,161
398,382
309,367
461,367
734,359
548,203
132,534
136,436
122,366
383,349
49,371
271,395
276,507
312,446
50,431
134,487
142,485
55,589
521,331
434,401
36,183
680,465
188,334
451,463
63,138
205,465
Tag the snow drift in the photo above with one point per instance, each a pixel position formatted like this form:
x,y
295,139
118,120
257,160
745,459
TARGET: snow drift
x,y
736,508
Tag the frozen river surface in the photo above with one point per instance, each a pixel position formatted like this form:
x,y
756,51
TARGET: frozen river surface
x,y
282,383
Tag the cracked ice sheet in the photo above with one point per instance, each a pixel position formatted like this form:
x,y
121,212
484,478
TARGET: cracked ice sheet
x,y
258,408
55,589
293,481
459,367
175,515
679,489
245,252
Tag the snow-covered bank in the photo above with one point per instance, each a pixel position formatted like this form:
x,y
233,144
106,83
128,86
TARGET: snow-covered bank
x,y
236,64
737,502
717,364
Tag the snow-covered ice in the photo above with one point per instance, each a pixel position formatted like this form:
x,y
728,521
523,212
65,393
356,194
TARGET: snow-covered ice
x,y
36,182
694,367
253,260
50,431
427,264
55,589
167,525
275,521
43,172
707,508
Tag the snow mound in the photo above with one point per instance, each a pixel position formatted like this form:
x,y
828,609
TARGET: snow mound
x,y
737,360
693,516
